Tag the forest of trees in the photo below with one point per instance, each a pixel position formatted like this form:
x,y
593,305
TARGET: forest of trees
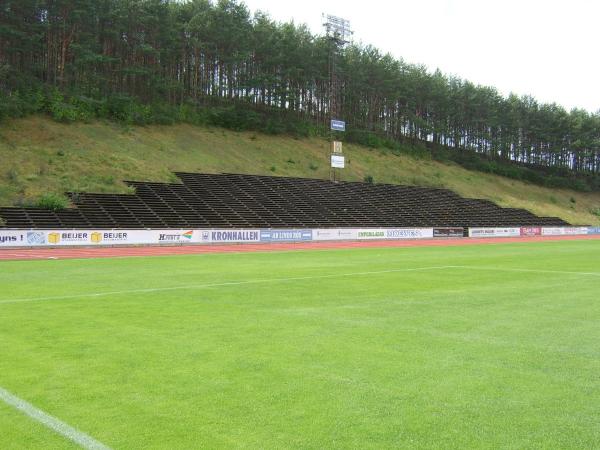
x,y
161,60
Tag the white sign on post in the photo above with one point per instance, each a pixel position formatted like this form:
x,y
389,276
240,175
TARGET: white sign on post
x,y
338,162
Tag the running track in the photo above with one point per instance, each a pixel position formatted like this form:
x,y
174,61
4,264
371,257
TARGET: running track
x,y
120,252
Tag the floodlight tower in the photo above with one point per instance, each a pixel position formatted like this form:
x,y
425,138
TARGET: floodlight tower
x,y
338,32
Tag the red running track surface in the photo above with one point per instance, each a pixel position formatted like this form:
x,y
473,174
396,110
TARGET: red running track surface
x,y
121,252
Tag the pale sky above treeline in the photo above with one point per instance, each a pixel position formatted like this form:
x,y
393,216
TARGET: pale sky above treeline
x,y
544,48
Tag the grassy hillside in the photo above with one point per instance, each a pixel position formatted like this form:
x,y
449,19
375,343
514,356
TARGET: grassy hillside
x,y
39,155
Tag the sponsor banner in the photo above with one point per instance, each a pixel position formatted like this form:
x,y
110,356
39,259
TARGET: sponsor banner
x,y
59,238
448,232
576,231
63,238
36,238
115,237
229,236
395,233
531,231
555,231
87,237
285,235
56,238
494,232
370,234
99,237
409,233
178,236
564,231
11,238
335,234
353,234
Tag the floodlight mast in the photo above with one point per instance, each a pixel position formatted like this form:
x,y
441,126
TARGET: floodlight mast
x,y
339,33
338,29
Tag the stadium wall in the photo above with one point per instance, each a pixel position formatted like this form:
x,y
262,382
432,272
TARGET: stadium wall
x,y
81,238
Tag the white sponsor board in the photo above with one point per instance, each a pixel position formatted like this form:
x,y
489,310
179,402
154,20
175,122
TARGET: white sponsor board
x,y
335,234
229,236
12,238
338,162
395,233
64,238
494,232
60,238
564,231
370,234
408,233
355,234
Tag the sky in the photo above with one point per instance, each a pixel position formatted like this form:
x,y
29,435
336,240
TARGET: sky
x,y
544,48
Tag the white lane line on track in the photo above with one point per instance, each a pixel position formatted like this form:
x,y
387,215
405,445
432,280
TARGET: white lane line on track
x,y
541,271
211,285
51,422
26,255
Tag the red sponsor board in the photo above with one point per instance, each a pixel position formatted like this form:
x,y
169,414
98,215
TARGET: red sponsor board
x,y
531,231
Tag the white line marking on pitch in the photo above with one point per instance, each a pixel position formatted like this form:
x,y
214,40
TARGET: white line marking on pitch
x,y
211,285
508,269
278,280
51,422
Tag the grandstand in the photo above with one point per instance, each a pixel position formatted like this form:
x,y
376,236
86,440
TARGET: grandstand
x,y
250,201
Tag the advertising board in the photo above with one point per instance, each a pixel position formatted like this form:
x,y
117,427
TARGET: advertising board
x,y
60,238
177,236
576,231
229,236
448,232
408,233
494,232
286,235
370,234
65,238
564,231
12,238
531,231
365,234
334,234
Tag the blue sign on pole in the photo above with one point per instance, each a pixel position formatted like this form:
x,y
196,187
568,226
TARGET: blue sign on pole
x,y
338,125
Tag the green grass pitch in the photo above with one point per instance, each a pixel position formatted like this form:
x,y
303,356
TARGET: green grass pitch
x,y
487,346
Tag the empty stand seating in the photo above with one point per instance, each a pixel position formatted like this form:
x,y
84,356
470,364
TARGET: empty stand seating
x,y
248,201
